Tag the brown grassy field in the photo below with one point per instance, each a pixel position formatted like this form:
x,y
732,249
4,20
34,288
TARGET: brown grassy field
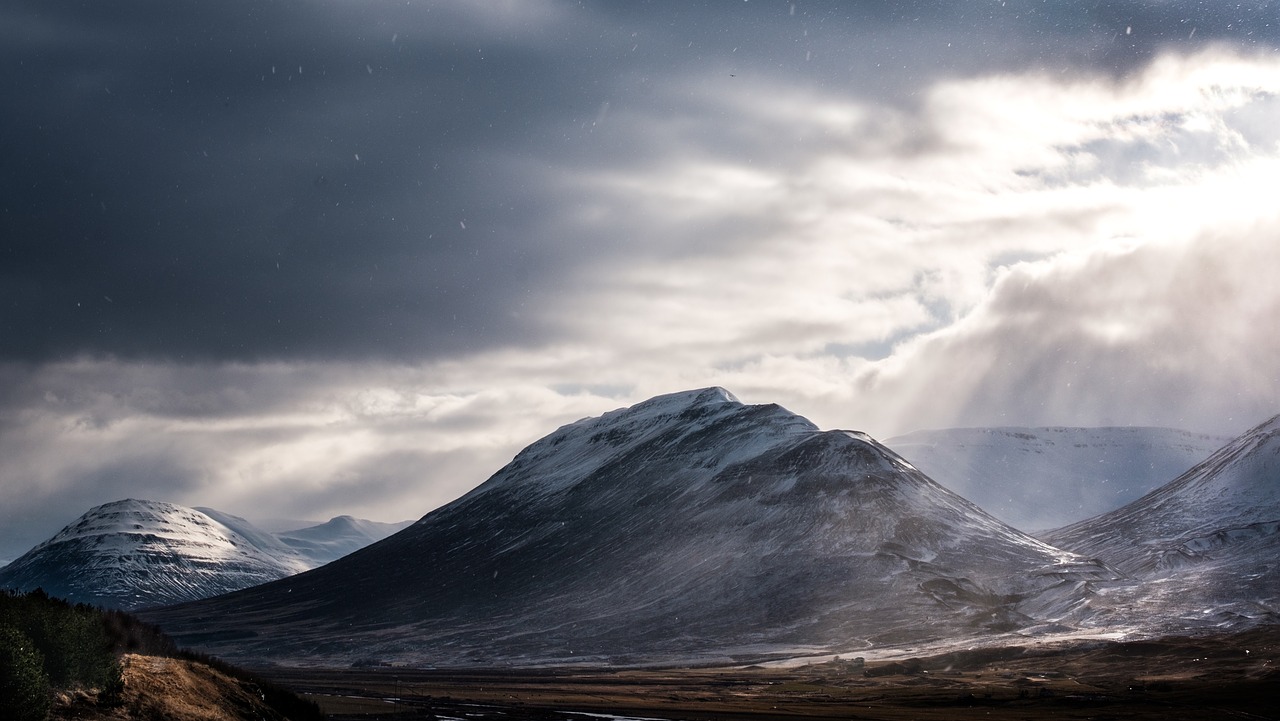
x,y
1223,677
168,689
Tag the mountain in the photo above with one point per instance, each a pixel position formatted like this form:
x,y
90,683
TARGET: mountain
x,y
337,537
1041,478
689,526
131,554
1205,547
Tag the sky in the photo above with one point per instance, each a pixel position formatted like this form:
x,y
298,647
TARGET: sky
x,y
300,259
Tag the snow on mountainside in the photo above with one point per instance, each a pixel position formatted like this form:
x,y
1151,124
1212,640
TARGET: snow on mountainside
x,y
1041,478
132,553
1206,546
686,526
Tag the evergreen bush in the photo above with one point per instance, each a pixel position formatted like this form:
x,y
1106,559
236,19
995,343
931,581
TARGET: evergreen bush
x,y
24,687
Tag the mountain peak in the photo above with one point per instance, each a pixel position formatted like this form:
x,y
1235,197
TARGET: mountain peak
x,y
688,523
133,553
672,404
699,396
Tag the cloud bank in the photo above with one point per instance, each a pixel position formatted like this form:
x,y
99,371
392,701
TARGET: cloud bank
x,y
301,261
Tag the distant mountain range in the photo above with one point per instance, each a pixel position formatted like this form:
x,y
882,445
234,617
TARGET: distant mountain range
x,y
1042,478
694,528
133,553
690,526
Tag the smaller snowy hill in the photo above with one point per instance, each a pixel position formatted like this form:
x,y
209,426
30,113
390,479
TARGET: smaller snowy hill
x,y
133,553
1206,546
1040,478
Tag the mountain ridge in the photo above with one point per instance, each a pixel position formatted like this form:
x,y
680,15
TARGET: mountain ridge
x,y
1202,551
687,525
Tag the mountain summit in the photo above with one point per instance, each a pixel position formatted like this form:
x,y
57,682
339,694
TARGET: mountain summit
x,y
687,526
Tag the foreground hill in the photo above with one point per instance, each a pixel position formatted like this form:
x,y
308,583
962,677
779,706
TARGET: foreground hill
x,y
174,689
65,661
687,526
1206,546
134,553
1041,478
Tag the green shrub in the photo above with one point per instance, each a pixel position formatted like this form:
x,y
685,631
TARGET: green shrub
x,y
72,639
24,687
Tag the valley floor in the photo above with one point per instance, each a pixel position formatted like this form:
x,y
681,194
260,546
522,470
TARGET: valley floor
x,y
1233,676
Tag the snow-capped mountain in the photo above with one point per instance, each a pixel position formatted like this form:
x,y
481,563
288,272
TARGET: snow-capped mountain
x,y
132,554
1205,547
337,537
687,526
1041,478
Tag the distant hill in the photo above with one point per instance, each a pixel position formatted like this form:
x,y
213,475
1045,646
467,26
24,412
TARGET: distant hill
x,y
337,537
135,553
1041,478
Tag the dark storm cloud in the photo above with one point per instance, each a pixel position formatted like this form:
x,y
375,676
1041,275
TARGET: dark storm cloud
x,y
261,180
392,243
307,180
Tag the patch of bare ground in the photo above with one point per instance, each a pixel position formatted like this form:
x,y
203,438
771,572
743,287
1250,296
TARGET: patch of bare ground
x,y
1233,676
168,689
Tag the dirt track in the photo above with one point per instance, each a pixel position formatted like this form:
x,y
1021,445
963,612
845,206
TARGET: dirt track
x,y
1226,677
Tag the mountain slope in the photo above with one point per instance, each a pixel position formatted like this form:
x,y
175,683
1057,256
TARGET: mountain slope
x,y
1041,478
131,553
689,525
1206,546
